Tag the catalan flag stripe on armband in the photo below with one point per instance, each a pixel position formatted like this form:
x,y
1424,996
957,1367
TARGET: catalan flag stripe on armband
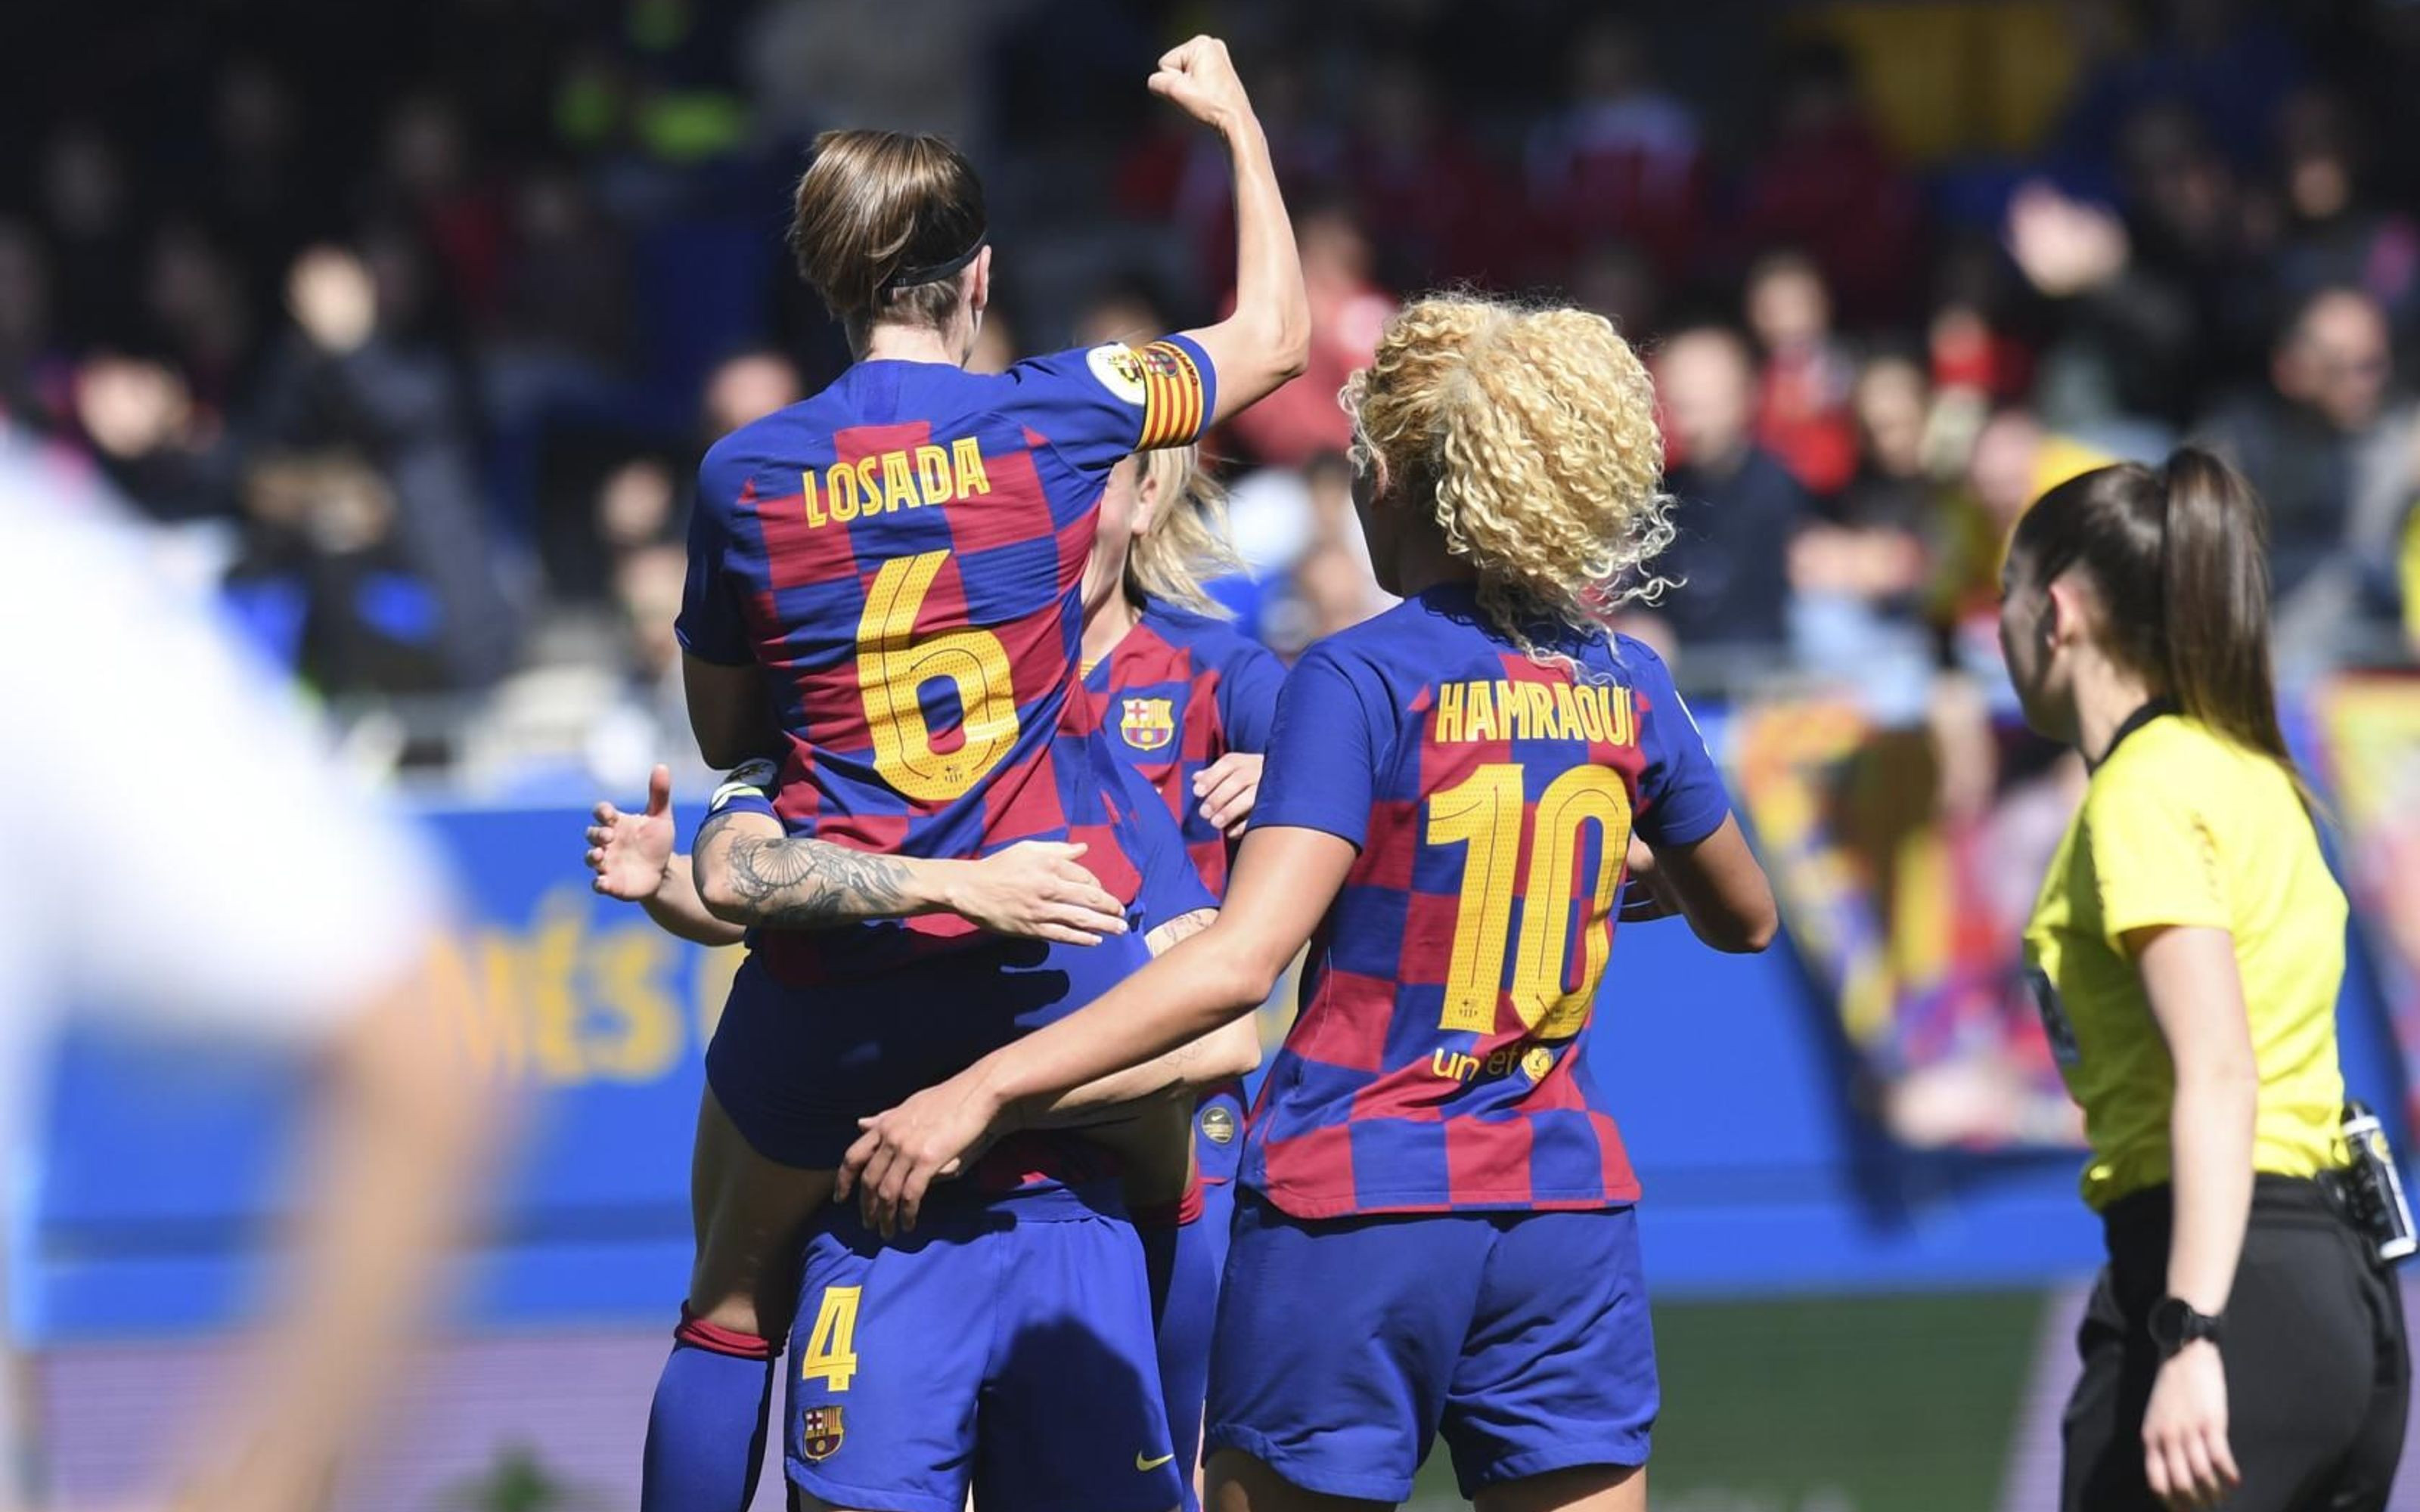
x,y
1171,403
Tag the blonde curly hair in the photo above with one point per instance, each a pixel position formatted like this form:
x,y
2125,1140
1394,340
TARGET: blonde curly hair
x,y
1532,434
1187,541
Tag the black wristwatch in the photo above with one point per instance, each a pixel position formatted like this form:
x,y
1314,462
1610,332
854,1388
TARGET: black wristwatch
x,y
2174,1324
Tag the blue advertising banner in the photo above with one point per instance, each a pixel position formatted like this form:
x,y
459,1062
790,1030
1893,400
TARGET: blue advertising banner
x,y
1737,1080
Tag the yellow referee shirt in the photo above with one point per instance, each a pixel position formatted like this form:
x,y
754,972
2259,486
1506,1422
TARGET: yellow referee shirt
x,y
2182,827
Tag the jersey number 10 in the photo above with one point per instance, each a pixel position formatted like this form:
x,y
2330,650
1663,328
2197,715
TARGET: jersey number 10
x,y
893,668
1485,812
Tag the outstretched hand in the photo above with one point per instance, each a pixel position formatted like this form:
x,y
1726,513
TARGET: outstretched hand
x,y
629,852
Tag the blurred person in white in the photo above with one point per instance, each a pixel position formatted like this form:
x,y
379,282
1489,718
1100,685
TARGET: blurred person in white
x,y
228,948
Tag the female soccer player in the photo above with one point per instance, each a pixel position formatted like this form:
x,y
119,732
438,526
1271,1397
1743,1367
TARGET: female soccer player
x,y
1437,1229
892,571
1190,701
2244,1342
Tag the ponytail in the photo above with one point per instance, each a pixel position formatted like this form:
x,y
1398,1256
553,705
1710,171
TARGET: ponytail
x,y
2181,558
2214,602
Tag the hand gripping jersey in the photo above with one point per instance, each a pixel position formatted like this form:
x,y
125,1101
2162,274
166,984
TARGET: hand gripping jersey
x,y
1439,1062
903,554
1181,690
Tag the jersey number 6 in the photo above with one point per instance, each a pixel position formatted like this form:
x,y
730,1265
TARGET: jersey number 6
x,y
893,668
1484,812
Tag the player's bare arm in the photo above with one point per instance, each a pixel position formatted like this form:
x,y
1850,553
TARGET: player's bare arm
x,y
1266,342
729,712
1286,879
748,873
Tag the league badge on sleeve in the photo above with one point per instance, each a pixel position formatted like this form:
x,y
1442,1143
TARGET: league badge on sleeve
x,y
1148,724
1119,368
819,1433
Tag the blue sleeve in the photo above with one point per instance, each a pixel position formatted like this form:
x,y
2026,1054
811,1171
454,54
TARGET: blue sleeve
x,y
1172,884
1323,757
1249,685
710,627
1096,407
1683,797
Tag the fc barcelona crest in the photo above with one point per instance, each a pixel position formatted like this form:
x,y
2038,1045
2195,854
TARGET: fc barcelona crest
x,y
819,1432
1147,724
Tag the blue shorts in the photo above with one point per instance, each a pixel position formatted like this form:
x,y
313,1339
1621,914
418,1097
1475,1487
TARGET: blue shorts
x,y
797,1067
1003,1345
1344,1345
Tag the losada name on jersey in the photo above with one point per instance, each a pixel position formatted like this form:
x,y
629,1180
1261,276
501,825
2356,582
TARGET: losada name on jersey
x,y
1532,711
911,479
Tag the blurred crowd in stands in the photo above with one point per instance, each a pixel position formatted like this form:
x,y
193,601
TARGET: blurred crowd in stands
x,y
409,322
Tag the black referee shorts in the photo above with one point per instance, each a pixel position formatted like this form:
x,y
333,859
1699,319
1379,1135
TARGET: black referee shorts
x,y
2316,1371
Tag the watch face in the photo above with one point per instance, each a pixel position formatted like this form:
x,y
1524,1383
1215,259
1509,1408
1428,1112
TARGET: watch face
x,y
2173,1324
2167,1323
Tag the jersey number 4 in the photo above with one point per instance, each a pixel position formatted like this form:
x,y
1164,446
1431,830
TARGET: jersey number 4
x,y
893,668
1485,812
831,1354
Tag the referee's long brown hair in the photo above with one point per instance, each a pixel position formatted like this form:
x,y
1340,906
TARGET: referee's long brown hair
x,y
2180,555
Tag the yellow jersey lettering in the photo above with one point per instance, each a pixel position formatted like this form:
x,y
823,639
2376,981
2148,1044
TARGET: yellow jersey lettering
x,y
886,481
899,482
1592,702
831,1355
1542,710
1452,1065
1512,714
840,493
933,474
965,461
1447,728
1480,722
1567,714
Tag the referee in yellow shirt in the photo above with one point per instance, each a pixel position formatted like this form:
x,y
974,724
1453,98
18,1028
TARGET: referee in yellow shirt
x,y
2245,1347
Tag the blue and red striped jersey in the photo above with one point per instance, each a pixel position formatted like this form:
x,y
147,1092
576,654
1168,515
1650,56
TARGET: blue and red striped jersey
x,y
1439,1060
1181,690
903,554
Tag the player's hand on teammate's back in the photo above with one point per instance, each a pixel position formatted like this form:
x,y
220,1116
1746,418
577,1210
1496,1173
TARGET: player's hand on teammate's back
x,y
1227,788
1037,889
903,1152
629,852
1199,77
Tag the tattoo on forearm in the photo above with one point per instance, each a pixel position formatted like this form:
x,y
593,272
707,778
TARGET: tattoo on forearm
x,y
809,883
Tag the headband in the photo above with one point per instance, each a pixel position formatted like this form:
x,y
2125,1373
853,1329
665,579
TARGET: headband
x,y
932,272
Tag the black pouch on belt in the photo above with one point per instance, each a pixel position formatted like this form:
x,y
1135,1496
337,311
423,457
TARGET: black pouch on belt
x,y
2370,1190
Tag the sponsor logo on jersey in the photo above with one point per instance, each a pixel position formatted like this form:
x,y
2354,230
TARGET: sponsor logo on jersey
x,y
1219,1124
